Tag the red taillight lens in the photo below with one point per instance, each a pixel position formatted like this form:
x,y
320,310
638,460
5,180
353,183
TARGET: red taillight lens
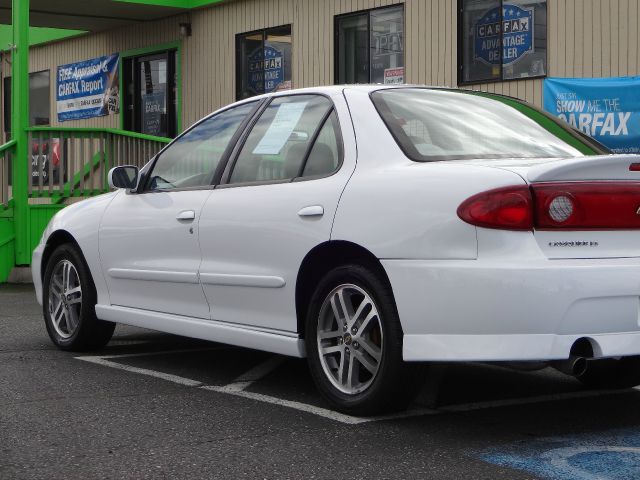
x,y
594,205
561,205
509,208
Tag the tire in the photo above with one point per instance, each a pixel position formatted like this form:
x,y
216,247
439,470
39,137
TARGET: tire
x,y
71,321
371,351
612,373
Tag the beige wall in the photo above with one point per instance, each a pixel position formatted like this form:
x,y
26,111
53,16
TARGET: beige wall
x,y
585,38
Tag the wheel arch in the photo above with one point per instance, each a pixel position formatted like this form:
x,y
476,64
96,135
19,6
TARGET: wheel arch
x,y
57,238
319,261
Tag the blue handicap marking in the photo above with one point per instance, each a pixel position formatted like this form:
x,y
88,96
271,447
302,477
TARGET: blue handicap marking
x,y
613,454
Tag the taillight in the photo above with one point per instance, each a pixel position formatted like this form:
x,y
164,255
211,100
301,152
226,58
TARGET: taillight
x,y
587,205
509,208
566,205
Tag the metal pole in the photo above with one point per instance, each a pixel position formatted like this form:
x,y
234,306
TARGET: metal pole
x,y
19,125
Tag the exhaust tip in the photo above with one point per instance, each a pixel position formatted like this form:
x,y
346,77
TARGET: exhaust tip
x,y
579,366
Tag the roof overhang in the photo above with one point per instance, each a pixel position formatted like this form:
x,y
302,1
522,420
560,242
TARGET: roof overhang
x,y
96,15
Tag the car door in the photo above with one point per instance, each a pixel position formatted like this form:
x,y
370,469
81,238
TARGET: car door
x,y
149,245
277,201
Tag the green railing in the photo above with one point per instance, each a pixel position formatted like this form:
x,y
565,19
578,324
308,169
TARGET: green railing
x,y
74,162
5,182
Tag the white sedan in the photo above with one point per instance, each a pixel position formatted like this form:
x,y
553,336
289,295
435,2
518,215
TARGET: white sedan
x,y
370,229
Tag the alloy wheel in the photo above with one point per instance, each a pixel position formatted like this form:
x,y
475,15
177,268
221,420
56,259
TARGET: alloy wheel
x,y
65,299
350,339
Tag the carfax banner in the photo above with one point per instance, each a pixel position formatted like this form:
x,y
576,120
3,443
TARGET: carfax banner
x,y
608,109
88,89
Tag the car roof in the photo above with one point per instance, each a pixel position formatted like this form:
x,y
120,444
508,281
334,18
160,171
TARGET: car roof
x,y
338,89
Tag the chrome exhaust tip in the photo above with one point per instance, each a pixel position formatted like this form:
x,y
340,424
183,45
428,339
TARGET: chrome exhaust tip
x,y
574,365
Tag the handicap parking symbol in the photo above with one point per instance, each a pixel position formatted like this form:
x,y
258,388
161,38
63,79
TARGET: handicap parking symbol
x,y
596,456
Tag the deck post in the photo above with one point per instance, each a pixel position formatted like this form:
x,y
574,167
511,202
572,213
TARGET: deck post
x,y
19,126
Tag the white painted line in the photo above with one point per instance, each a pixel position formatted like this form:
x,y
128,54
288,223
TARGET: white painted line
x,y
256,373
237,388
143,371
305,407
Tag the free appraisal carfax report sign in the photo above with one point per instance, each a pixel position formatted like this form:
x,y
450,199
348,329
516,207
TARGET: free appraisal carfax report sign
x,y
88,89
607,109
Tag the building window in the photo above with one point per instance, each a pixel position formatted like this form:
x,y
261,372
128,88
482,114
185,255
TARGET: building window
x,y
370,46
502,40
263,61
39,100
150,95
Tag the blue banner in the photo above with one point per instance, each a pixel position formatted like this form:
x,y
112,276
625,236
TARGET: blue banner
x,y
607,109
88,89
515,26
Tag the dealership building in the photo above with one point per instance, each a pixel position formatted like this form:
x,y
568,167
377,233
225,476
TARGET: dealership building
x,y
110,81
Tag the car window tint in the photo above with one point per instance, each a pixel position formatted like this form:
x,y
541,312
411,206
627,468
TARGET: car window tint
x,y
434,125
191,160
276,146
325,154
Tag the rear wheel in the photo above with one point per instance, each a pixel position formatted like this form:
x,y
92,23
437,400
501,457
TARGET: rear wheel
x,y
69,300
354,344
612,373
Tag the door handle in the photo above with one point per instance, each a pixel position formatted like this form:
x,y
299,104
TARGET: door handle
x,y
312,211
186,215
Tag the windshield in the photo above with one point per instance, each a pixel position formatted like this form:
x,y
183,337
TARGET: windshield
x,y
431,125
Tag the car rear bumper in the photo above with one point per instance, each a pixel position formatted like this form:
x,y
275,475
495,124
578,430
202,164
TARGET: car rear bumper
x,y
474,310
36,262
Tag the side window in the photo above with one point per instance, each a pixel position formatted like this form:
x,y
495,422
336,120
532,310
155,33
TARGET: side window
x,y
324,157
280,139
191,161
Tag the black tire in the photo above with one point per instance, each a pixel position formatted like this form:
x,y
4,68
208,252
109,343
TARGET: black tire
x,y
396,382
612,373
90,333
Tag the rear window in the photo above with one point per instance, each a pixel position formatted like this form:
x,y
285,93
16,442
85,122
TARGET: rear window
x,y
433,125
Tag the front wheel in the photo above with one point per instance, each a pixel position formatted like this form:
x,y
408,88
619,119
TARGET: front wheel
x,y
69,300
354,344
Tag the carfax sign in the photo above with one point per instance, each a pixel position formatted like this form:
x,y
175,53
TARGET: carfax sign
x,y
88,89
607,109
265,69
513,32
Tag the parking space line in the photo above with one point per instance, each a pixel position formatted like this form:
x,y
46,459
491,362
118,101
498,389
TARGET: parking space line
x,y
143,371
318,411
256,373
238,388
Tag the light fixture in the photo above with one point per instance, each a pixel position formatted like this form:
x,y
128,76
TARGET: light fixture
x,y
185,29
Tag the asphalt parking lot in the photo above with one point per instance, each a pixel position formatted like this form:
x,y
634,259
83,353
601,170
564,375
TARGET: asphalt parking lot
x,y
152,405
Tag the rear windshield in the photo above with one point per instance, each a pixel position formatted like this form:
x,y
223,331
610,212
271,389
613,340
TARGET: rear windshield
x,y
432,125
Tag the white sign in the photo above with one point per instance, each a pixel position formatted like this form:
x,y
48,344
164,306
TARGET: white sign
x,y
393,76
281,128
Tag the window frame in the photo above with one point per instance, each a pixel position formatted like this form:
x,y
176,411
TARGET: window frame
x,y
143,186
133,55
238,67
460,54
367,12
233,158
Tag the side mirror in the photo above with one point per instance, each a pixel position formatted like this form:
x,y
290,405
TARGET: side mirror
x,y
124,177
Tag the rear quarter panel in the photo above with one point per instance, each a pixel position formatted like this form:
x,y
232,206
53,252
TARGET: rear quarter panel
x,y
398,208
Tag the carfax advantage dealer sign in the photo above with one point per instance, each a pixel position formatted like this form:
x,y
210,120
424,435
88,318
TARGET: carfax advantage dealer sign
x,y
88,89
